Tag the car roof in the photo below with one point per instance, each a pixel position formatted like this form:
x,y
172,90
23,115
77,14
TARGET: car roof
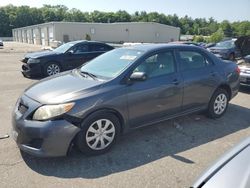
x,y
86,41
153,47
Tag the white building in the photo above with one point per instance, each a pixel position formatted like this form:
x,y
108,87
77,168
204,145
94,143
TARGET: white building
x,y
146,32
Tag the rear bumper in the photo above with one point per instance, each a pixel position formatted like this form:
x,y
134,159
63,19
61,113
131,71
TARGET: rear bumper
x,y
245,78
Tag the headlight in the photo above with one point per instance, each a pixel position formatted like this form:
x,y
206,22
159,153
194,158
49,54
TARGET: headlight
x,y
50,111
31,60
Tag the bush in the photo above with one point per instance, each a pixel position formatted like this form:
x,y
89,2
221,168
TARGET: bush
x,y
199,38
87,37
217,36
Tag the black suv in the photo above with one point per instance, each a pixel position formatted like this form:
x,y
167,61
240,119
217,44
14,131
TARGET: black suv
x,y
66,57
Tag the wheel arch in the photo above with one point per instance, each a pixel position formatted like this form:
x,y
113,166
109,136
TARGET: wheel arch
x,y
110,110
227,88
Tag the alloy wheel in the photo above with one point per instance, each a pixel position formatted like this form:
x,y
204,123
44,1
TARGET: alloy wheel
x,y
220,104
53,69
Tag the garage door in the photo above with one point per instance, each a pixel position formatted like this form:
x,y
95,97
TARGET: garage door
x,y
43,38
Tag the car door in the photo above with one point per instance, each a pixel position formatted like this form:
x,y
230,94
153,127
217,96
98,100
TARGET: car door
x,y
160,95
200,78
78,56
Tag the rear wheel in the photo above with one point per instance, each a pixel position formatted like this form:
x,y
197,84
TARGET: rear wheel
x,y
218,103
52,69
99,133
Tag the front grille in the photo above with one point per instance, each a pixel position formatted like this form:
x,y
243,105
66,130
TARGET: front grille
x,y
22,108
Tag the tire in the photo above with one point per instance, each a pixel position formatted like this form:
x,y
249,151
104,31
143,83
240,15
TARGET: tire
x,y
52,68
218,104
92,140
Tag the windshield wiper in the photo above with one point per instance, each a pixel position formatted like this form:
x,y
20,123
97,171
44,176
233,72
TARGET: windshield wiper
x,y
89,74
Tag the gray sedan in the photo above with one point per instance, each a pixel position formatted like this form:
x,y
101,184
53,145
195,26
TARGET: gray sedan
x,y
119,91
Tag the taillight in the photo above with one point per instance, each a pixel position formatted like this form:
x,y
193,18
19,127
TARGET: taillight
x,y
237,70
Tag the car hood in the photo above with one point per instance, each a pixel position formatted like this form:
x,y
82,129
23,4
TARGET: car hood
x,y
243,43
62,88
41,54
230,171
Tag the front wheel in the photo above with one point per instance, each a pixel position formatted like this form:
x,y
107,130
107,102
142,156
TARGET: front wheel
x,y
99,133
218,103
52,69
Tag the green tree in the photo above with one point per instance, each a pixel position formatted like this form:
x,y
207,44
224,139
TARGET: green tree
x,y
227,28
4,24
217,36
14,17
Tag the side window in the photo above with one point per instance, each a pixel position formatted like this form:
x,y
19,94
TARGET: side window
x,y
82,48
158,64
192,60
99,48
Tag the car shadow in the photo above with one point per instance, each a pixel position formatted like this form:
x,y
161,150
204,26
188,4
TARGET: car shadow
x,y
145,145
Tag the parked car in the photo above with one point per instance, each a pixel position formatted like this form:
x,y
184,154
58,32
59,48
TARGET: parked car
x,y
66,57
245,71
230,171
209,45
1,44
118,91
226,50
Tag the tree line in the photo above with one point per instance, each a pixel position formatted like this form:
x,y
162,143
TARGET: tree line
x,y
21,16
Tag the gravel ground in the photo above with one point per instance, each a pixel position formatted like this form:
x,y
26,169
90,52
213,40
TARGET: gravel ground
x,y
171,154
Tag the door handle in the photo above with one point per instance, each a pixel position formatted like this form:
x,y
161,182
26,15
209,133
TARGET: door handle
x,y
175,82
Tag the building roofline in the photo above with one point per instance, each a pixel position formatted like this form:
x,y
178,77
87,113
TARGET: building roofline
x,y
92,23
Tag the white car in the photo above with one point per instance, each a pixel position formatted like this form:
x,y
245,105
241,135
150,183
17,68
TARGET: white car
x,y
231,171
1,43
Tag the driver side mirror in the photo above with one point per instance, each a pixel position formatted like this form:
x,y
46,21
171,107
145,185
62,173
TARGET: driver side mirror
x,y
138,76
70,52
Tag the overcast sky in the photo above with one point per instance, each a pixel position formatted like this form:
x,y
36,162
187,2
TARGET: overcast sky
x,y
232,10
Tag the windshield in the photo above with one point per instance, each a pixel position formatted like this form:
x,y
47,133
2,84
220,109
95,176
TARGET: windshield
x,y
225,44
112,63
63,48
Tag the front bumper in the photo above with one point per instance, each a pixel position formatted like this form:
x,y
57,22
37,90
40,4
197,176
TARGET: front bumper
x,y
41,138
29,70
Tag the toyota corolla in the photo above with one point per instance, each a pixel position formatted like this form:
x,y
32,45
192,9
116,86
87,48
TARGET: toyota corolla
x,y
121,90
